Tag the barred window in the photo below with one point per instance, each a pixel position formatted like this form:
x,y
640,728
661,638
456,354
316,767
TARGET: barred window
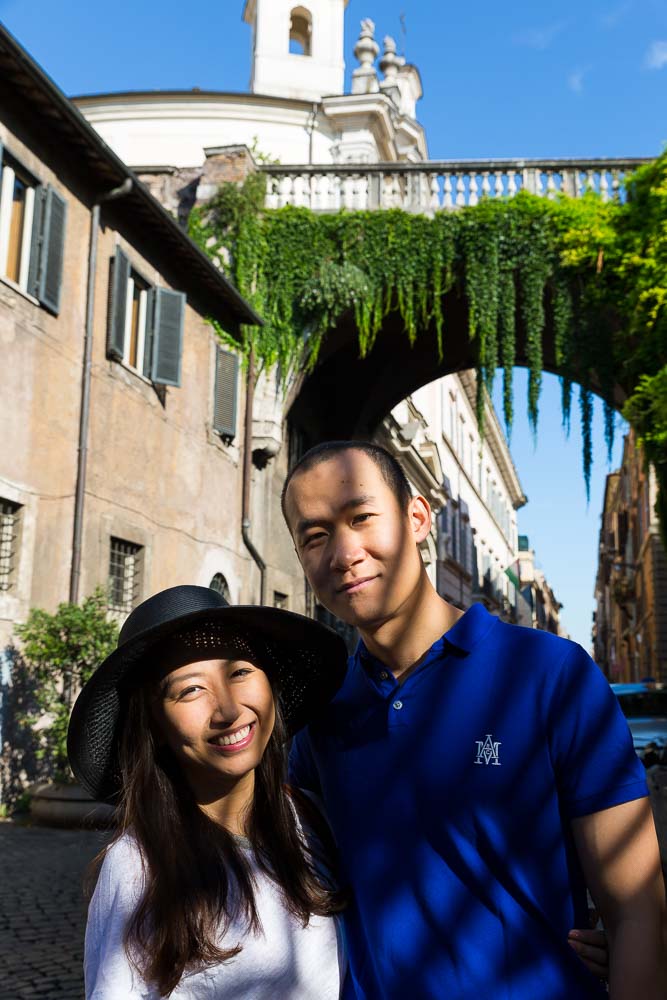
x,y
124,575
220,585
9,533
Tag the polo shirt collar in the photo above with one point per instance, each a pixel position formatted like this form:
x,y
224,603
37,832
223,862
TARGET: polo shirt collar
x,y
470,629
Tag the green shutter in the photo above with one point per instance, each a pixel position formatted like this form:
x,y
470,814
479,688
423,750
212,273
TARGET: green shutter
x,y
149,336
120,273
226,388
169,315
36,241
53,246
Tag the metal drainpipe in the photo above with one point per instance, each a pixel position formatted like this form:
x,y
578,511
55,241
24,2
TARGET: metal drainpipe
x,y
311,129
84,419
247,458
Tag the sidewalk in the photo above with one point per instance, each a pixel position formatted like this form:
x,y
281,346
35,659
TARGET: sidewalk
x,y
42,910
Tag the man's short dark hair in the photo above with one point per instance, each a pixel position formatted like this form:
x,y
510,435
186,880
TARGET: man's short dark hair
x,y
389,467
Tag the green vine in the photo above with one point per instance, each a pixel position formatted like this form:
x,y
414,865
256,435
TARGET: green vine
x,y
591,273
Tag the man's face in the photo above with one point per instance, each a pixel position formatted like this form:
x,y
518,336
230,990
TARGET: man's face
x,y
357,547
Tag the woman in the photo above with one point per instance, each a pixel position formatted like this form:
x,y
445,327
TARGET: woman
x,y
216,883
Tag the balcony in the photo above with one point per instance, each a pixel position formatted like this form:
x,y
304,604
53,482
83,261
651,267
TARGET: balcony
x,y
435,185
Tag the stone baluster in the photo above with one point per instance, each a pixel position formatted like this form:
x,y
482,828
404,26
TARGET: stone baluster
x,y
578,186
301,191
460,190
423,193
551,188
434,193
567,182
271,200
604,186
347,192
590,180
334,202
447,191
396,193
472,190
284,191
616,184
498,187
316,192
388,191
362,192
511,183
486,184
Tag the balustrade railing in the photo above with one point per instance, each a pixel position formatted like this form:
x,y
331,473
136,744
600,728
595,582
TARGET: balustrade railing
x,y
434,185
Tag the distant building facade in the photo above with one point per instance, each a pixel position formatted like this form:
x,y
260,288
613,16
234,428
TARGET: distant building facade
x,y
472,485
537,606
630,622
103,296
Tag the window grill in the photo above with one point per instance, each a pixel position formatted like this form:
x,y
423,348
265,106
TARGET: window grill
x,y
9,525
124,575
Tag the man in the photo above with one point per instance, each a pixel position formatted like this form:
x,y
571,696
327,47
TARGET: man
x,y
476,775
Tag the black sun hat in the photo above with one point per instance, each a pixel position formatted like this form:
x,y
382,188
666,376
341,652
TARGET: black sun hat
x,y
306,660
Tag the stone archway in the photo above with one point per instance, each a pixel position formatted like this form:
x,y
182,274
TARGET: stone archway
x,y
346,396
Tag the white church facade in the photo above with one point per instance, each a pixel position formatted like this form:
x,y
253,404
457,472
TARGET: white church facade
x,y
296,112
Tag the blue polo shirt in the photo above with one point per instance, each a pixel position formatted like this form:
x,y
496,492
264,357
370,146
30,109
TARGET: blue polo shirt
x,y
451,796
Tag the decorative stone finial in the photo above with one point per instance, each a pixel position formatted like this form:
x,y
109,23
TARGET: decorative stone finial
x,y
390,62
364,78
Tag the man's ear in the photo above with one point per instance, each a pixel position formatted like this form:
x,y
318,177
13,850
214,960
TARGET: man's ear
x,y
419,513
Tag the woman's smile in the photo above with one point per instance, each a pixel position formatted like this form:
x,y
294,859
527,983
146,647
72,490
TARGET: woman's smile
x,y
234,742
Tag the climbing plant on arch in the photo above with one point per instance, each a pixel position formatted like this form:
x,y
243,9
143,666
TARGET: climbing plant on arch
x,y
599,267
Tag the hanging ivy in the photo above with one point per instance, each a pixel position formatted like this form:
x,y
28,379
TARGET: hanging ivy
x,y
593,274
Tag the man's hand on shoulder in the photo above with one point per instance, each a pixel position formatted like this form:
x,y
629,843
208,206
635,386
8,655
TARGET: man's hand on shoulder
x,y
592,948
618,851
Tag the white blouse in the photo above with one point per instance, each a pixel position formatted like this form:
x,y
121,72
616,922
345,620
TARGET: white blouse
x,y
285,960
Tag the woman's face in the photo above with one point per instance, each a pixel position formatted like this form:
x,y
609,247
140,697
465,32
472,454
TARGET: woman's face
x,y
217,717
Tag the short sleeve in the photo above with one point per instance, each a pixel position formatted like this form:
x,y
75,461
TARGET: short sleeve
x,y
590,743
109,974
302,768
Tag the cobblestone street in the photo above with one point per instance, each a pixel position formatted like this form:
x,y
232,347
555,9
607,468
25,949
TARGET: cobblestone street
x,y
42,910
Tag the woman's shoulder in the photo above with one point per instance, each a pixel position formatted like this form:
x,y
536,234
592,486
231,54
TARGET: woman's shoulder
x,y
123,853
122,871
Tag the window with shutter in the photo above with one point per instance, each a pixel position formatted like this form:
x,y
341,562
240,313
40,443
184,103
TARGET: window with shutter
x,y
53,246
120,275
225,395
168,322
32,232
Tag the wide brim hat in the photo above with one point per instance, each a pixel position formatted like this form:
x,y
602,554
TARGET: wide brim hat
x,y
305,659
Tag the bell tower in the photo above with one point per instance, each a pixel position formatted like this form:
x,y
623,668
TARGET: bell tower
x,y
297,47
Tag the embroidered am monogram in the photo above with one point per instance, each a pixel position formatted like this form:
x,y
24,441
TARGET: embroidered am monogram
x,y
488,751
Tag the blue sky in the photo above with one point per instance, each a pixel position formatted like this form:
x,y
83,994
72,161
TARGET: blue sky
x,y
501,80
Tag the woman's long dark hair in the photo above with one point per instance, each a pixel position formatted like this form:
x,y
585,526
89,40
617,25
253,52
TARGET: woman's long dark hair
x,y
197,878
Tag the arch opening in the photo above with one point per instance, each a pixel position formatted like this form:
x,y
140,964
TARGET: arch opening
x,y
220,585
300,32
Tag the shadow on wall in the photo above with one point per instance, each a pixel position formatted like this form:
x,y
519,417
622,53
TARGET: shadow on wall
x,y
19,764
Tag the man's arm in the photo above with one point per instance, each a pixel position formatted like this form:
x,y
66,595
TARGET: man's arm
x,y
618,851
